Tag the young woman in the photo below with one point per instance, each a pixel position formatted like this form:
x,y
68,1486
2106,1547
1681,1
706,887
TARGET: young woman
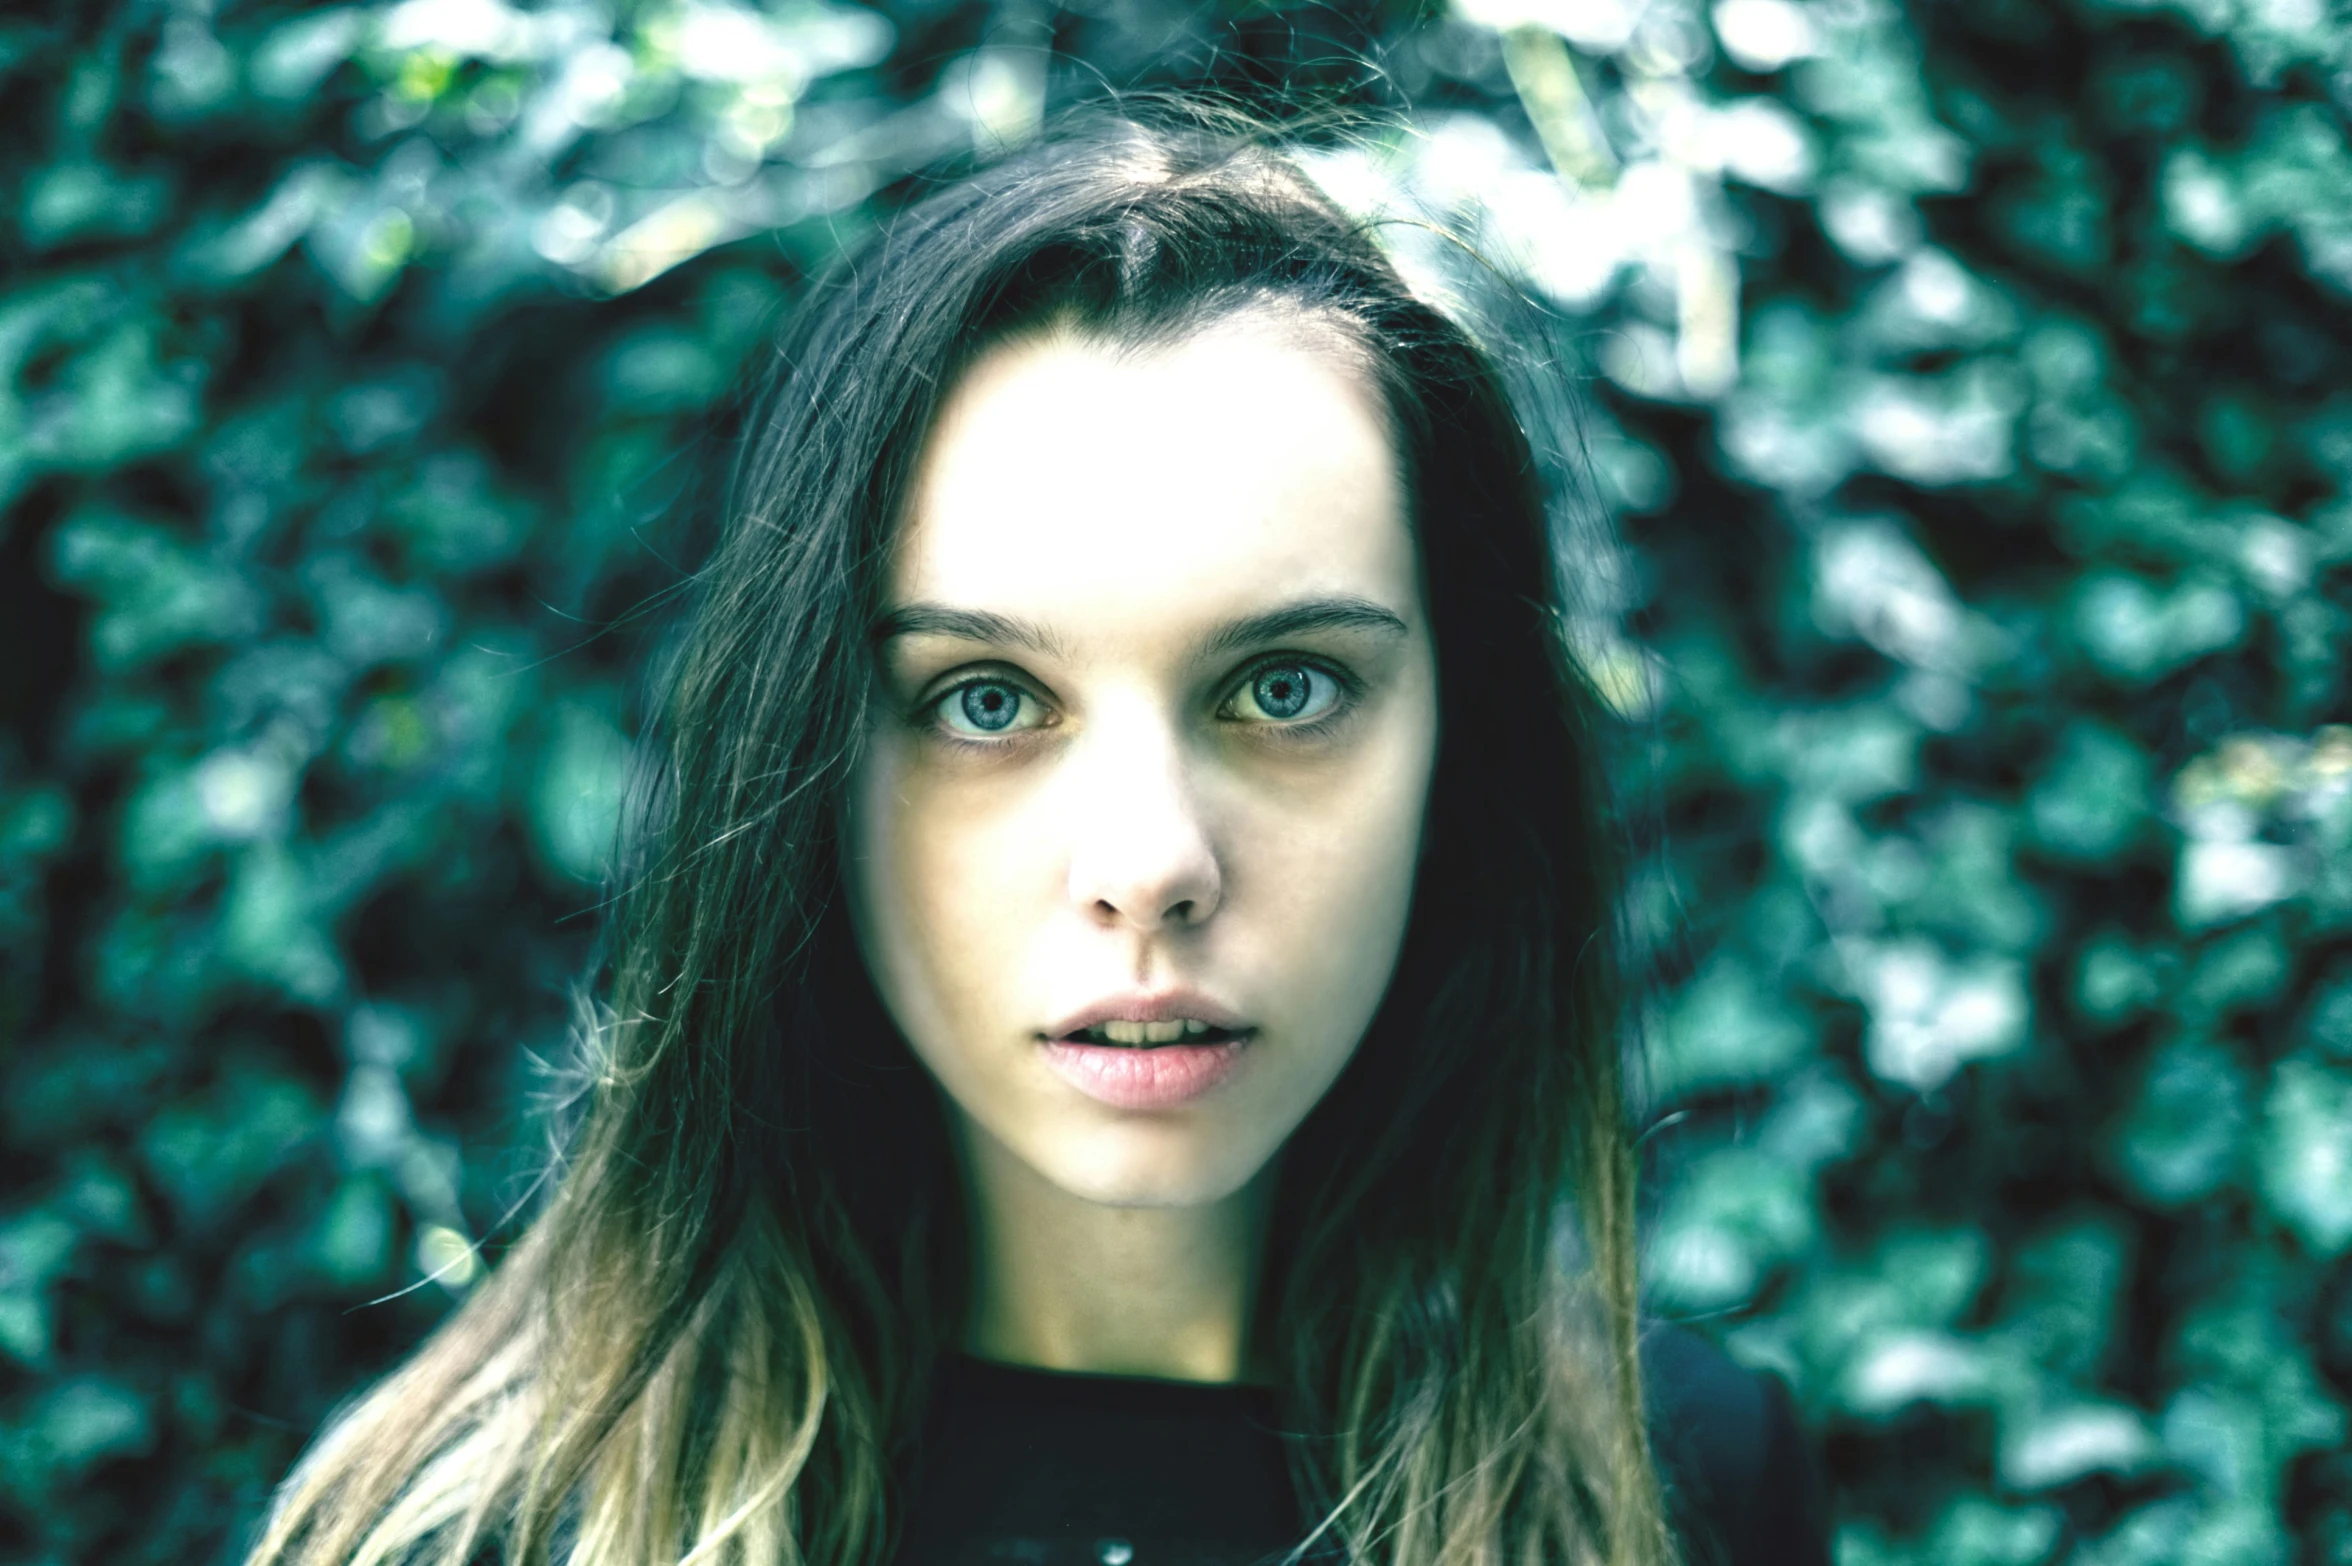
x,y
1111,1051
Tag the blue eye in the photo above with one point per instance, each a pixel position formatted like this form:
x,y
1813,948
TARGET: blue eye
x,y
989,708
1284,693
986,708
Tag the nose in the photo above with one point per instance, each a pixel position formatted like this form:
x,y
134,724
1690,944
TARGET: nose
x,y
1141,856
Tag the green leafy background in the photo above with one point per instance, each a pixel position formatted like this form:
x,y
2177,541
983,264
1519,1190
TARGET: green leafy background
x,y
1969,385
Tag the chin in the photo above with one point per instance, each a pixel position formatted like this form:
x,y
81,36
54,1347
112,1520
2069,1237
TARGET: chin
x,y
1137,1168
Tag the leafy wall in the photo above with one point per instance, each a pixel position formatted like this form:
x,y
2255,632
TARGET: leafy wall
x,y
1967,382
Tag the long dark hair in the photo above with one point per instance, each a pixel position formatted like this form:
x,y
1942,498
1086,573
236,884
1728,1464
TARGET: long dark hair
x,y
714,1341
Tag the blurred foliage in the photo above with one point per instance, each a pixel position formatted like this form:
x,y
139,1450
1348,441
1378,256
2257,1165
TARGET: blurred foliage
x,y
1968,388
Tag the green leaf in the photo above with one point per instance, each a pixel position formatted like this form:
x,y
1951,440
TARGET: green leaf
x,y
209,1153
73,1427
34,1250
2096,796
352,1241
1725,1028
2305,1152
578,798
2184,1133
156,594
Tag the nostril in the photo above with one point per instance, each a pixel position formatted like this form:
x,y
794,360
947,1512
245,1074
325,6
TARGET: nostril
x,y
1148,902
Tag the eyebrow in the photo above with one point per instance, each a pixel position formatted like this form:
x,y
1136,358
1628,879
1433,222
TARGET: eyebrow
x,y
967,625
1303,618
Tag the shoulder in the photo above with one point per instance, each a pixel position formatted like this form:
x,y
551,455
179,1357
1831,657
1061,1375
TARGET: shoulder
x,y
1741,1483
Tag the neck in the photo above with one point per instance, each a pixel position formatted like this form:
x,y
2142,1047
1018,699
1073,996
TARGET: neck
x,y
1063,1283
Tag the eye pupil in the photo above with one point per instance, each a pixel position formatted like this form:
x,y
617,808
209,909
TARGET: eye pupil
x,y
990,707
1281,693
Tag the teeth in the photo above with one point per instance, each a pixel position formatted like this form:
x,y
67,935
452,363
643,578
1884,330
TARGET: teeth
x,y
1136,1033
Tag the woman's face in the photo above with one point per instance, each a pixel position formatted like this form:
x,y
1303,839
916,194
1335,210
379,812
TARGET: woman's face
x,y
1132,842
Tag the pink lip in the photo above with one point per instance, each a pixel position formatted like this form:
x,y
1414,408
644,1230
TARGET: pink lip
x,y
1158,1076
1149,1006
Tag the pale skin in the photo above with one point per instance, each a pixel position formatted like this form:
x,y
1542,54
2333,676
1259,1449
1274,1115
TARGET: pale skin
x,y
1156,711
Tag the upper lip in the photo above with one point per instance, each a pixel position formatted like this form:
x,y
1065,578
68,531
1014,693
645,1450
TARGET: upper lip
x,y
1149,1006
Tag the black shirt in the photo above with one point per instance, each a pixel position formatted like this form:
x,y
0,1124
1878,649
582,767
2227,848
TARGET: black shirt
x,y
1022,1467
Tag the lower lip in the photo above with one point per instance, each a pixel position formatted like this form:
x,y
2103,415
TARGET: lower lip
x,y
1159,1077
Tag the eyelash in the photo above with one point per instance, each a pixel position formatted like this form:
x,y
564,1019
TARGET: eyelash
x,y
1343,702
927,712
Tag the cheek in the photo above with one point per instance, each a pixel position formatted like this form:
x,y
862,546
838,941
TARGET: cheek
x,y
1335,884
936,876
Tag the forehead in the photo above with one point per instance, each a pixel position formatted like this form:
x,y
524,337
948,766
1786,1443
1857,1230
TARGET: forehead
x,y
1071,478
